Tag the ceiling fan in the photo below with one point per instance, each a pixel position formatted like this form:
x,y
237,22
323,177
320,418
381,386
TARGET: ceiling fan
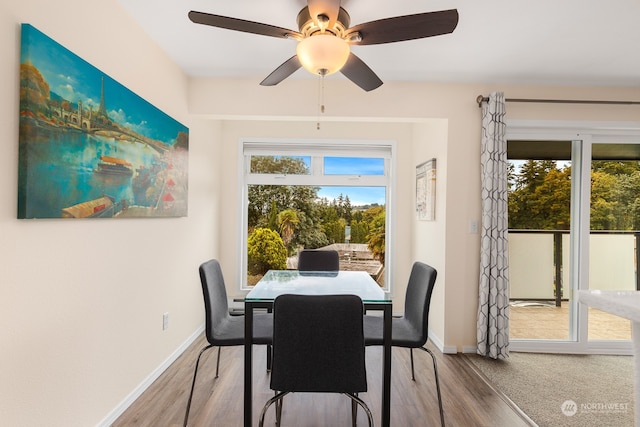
x,y
324,37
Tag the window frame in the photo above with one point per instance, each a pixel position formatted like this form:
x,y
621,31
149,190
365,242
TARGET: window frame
x,y
317,149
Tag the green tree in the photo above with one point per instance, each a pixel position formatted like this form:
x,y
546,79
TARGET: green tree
x,y
551,204
628,189
539,196
615,195
623,167
329,221
339,205
372,212
335,230
347,209
287,223
286,165
376,237
266,251
272,223
263,197
359,231
310,234
300,198
603,204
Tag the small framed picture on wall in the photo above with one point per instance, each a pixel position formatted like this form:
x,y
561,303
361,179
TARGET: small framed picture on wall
x,y
426,190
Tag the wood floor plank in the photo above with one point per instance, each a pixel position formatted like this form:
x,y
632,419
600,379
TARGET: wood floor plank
x,y
468,399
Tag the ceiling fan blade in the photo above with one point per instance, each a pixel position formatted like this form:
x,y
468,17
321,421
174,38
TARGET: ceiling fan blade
x,y
241,25
287,68
358,72
330,8
408,27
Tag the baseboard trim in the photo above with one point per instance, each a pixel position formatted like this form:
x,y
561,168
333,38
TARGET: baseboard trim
x,y
144,385
449,349
440,345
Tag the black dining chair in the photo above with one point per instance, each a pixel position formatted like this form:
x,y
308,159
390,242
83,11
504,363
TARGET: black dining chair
x,y
318,346
410,331
223,329
318,260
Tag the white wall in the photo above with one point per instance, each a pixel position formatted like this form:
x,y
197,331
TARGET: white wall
x,y
81,301
428,238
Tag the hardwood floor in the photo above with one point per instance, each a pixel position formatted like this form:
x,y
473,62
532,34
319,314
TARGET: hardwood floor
x,y
468,400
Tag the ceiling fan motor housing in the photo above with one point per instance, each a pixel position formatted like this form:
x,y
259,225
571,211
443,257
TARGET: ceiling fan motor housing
x,y
308,27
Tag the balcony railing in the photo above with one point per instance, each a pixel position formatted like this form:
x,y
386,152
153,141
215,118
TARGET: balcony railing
x,y
539,263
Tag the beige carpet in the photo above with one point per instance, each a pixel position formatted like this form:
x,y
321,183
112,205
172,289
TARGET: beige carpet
x,y
566,390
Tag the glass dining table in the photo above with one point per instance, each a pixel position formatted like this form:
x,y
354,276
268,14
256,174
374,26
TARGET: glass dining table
x,y
278,282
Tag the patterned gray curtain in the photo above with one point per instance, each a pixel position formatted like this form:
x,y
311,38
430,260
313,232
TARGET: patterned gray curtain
x,y
493,304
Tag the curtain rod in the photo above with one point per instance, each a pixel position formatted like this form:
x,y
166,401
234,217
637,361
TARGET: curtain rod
x,y
480,99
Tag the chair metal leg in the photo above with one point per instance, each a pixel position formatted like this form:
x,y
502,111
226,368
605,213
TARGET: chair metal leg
x,y
413,375
275,399
218,361
193,383
435,372
269,347
355,399
354,412
279,404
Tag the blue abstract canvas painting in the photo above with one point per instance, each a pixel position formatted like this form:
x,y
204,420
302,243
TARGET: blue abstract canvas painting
x,y
88,146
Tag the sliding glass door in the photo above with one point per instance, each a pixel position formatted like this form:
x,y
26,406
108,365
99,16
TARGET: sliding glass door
x,y
614,232
540,244
574,223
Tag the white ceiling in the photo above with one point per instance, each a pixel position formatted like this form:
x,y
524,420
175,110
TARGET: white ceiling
x,y
555,42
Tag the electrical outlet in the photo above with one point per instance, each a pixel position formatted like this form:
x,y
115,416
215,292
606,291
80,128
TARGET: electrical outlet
x,y
165,321
473,227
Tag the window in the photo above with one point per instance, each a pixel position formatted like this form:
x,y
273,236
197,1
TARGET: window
x,y
316,194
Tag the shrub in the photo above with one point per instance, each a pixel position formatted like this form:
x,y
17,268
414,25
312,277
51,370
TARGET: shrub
x,y
266,251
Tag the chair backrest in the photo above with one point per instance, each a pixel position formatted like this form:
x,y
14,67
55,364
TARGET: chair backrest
x,y
318,260
215,296
318,344
418,297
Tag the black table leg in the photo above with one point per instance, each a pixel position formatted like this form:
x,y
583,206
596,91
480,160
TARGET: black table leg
x,y
386,370
248,363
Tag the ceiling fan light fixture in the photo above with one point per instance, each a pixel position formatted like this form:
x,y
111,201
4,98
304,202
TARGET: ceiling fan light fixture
x,y
323,53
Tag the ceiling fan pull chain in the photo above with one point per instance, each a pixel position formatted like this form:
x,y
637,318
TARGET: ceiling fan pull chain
x,y
320,99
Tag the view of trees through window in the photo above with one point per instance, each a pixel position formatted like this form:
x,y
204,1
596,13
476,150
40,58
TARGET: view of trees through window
x,y
540,195
282,219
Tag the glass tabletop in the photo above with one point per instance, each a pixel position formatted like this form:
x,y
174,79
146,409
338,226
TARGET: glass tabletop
x,y
278,282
